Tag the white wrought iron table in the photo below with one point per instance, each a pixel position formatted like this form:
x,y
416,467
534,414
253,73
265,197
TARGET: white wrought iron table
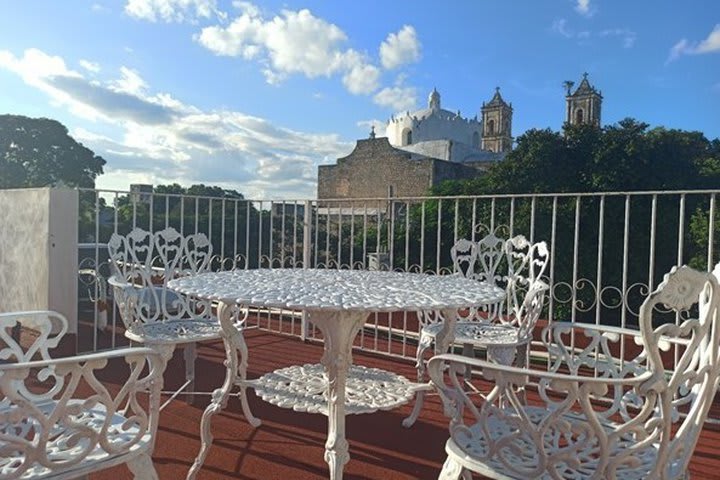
x,y
338,302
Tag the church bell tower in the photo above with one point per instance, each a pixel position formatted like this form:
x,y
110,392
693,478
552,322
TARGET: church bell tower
x,y
497,124
583,105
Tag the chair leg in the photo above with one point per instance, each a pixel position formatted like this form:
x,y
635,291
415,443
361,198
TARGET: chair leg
x,y
453,471
190,355
468,351
142,467
424,344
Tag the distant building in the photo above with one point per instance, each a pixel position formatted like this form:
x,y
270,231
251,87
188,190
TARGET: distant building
x,y
422,149
447,135
376,169
583,105
141,192
428,146
497,124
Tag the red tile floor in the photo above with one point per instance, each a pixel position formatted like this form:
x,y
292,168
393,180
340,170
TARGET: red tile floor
x,y
290,445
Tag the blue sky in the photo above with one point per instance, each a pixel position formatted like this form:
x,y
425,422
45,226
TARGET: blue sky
x,y
254,96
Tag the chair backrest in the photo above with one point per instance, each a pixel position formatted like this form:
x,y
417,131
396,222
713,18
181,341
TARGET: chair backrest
x,y
695,333
525,288
29,336
148,261
490,254
464,256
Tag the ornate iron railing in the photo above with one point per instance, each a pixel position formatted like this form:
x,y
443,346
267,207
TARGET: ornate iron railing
x,y
607,250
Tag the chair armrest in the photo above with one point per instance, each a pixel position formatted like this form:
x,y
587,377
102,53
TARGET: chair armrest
x,y
60,419
440,363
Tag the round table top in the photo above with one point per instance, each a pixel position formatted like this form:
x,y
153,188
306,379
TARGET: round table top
x,y
316,289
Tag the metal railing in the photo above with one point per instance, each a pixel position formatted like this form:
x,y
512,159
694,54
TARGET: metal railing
x,y
607,250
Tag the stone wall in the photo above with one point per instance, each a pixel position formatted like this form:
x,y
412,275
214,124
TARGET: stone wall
x,y
375,168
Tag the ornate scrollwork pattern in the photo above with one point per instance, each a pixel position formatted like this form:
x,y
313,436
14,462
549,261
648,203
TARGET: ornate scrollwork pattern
x,y
599,416
54,431
304,388
142,263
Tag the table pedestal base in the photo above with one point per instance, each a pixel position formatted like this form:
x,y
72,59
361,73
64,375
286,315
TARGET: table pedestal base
x,y
339,329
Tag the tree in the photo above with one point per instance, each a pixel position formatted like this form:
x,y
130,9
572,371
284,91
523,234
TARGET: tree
x,y
38,152
626,156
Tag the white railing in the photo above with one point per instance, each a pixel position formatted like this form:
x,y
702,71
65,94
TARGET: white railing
x,y
608,250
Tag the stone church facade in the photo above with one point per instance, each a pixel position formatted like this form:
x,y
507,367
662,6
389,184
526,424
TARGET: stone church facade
x,y
431,145
376,169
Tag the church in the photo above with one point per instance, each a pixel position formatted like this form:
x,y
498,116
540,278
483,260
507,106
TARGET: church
x,y
426,147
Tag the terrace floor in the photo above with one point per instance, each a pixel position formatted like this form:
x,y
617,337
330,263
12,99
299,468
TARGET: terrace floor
x,y
290,445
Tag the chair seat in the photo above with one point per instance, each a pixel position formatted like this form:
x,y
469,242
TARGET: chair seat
x,y
480,333
66,448
175,331
519,457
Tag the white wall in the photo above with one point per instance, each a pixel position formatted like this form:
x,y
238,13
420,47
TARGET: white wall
x,y
38,251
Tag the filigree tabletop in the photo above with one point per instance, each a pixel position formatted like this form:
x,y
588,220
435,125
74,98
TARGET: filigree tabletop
x,y
338,289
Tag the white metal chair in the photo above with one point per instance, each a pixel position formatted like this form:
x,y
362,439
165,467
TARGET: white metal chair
x,y
57,420
505,332
142,263
595,416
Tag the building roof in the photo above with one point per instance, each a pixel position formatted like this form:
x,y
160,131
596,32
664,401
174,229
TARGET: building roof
x,y
496,100
584,89
433,109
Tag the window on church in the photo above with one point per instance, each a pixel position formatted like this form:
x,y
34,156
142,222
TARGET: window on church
x,y
491,127
579,116
408,137
476,140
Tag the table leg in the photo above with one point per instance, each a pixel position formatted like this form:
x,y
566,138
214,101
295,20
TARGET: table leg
x,y
446,336
234,342
443,340
339,330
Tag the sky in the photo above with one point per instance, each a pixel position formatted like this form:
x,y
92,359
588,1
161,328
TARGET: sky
x,y
254,96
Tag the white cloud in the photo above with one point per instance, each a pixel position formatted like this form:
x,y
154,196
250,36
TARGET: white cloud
x,y
627,36
129,82
164,140
361,78
400,48
710,44
559,26
379,125
583,8
293,42
399,98
92,67
172,10
99,8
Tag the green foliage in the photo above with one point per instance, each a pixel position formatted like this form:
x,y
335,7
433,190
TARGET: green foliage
x,y
234,226
624,157
38,152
